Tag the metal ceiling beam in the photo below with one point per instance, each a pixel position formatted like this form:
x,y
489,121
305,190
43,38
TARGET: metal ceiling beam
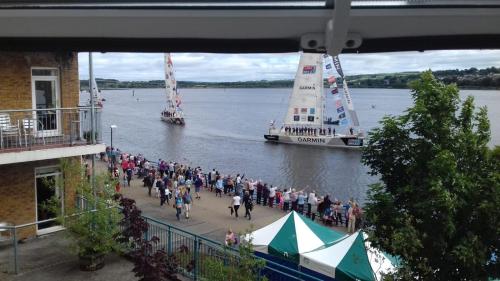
x,y
343,27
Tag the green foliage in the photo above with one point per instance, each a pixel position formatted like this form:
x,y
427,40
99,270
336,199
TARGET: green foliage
x,y
93,228
233,267
87,135
437,203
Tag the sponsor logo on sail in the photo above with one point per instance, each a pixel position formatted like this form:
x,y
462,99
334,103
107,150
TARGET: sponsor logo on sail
x,y
311,140
309,69
307,87
338,67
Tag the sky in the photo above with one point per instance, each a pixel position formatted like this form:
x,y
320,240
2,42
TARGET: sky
x,y
250,67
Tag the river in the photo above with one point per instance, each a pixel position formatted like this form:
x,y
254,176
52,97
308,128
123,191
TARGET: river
x,y
225,129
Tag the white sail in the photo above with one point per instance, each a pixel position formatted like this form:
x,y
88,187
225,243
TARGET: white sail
x,y
96,93
170,85
350,105
306,102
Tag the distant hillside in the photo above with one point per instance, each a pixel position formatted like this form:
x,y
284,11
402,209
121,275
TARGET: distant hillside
x,y
472,78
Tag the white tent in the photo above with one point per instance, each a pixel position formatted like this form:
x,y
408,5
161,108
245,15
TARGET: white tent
x,y
350,259
291,235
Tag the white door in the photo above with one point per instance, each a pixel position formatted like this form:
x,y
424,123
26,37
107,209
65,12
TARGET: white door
x,y
49,198
46,100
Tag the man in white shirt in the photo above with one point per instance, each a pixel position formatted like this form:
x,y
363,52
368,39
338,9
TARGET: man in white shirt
x,y
311,202
286,199
272,194
251,187
236,202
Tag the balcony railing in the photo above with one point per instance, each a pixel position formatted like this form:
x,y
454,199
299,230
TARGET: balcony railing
x,y
32,129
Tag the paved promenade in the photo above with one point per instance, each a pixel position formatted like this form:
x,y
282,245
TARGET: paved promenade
x,y
209,216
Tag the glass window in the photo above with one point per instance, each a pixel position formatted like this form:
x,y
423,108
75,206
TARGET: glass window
x,y
44,72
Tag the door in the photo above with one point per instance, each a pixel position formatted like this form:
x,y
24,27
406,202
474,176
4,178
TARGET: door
x,y
49,198
46,99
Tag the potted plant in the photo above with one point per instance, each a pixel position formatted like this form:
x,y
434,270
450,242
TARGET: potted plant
x,y
93,225
87,135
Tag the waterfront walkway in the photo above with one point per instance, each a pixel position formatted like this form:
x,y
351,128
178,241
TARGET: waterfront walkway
x,y
209,217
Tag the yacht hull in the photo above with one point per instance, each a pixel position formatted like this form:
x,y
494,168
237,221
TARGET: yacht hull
x,y
342,141
174,120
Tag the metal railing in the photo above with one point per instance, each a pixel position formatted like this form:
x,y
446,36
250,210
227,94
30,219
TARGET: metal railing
x,y
191,251
31,129
11,234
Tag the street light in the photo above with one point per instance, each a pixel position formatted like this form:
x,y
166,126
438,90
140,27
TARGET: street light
x,y
112,127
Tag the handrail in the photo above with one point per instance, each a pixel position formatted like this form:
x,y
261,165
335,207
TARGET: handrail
x,y
26,224
43,109
181,230
270,265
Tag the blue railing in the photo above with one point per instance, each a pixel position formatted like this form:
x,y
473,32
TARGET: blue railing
x,y
193,250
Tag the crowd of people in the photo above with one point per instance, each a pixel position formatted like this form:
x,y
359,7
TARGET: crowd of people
x,y
168,180
308,131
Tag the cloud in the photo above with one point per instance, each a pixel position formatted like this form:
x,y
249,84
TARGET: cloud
x,y
245,67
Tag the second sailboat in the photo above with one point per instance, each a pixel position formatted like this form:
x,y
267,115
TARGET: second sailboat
x,y
172,112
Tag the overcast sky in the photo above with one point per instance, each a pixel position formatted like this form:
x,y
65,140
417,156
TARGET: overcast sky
x,y
246,67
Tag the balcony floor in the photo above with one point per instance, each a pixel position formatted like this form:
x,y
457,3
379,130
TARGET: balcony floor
x,y
49,257
49,150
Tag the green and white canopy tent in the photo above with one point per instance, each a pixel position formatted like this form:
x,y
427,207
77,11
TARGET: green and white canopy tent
x,y
292,235
349,259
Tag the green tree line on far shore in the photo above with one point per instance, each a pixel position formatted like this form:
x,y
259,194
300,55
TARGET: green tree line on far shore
x,y
472,78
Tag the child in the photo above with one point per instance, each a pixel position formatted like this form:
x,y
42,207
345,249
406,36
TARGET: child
x,y
230,238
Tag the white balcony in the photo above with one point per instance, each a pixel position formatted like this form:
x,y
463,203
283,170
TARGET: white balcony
x,y
32,135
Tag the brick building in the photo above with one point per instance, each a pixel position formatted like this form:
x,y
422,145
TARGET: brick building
x,y
40,123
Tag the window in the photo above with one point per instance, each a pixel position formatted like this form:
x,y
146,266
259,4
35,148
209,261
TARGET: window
x,y
44,72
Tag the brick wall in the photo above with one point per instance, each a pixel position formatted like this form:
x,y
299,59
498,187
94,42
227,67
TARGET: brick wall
x,y
15,77
17,194
15,80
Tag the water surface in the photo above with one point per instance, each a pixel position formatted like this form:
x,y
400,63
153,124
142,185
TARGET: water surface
x,y
225,130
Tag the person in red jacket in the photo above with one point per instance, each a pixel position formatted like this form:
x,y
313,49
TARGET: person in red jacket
x,y
125,165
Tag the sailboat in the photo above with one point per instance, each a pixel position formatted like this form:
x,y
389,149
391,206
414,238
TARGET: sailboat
x,y
172,112
305,118
97,94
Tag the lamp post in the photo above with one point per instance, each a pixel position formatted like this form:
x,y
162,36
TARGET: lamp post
x,y
112,127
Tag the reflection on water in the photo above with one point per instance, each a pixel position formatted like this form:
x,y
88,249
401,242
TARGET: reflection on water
x,y
225,130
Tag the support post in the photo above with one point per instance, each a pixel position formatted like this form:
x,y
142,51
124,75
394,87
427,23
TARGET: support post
x,y
196,257
16,265
337,27
169,241
92,121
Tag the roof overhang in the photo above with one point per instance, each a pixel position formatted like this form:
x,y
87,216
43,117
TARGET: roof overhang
x,y
159,26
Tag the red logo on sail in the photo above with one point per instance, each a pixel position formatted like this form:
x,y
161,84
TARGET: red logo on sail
x,y
309,69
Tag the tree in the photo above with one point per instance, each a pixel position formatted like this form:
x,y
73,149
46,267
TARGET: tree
x,y
92,227
436,206
149,264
